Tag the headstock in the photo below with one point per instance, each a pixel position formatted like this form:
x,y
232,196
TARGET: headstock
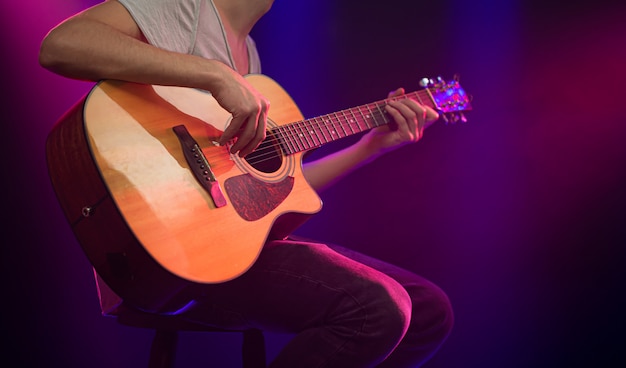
x,y
449,98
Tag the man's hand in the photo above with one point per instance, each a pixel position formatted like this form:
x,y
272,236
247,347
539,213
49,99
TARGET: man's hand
x,y
249,110
410,119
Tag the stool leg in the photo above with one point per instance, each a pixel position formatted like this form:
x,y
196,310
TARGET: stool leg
x,y
253,349
163,350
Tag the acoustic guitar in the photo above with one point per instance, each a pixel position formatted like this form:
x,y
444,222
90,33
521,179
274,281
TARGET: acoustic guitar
x,y
157,204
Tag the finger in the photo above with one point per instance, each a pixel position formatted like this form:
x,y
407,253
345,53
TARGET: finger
x,y
424,115
259,136
260,132
396,118
431,115
245,135
410,115
396,93
402,124
233,128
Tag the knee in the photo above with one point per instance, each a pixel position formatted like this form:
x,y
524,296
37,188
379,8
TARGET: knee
x,y
431,322
389,315
432,315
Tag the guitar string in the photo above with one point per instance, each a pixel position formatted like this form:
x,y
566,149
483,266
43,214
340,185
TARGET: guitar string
x,y
290,132
293,133
294,140
268,150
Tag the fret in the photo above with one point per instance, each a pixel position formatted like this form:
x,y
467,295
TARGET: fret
x,y
419,99
329,124
277,136
346,122
427,98
291,136
315,138
341,125
336,125
319,130
304,134
351,120
286,136
380,113
370,117
296,137
331,130
318,133
363,120
285,141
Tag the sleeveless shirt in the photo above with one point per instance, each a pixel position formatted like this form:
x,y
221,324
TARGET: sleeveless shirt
x,y
188,27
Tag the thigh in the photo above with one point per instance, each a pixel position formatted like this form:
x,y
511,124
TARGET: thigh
x,y
432,316
293,285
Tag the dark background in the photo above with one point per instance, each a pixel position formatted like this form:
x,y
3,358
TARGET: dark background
x,y
519,215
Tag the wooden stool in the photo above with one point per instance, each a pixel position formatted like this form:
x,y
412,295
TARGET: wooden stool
x,y
164,344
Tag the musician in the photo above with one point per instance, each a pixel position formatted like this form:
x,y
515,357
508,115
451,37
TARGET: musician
x,y
344,308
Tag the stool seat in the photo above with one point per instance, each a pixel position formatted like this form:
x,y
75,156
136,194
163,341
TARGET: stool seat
x,y
164,343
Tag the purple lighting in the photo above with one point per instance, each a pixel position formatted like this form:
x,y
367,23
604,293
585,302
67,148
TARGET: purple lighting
x,y
519,215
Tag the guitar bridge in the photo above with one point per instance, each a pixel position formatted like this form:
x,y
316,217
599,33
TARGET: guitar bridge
x,y
199,165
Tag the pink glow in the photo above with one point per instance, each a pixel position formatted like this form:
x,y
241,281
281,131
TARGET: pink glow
x,y
518,214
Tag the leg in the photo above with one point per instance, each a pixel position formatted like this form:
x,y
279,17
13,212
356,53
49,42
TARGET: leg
x,y
344,314
431,313
163,349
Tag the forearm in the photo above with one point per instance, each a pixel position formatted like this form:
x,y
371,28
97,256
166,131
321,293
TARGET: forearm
x,y
411,119
105,42
326,171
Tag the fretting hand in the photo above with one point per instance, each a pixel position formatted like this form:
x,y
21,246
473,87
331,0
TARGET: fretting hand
x,y
409,121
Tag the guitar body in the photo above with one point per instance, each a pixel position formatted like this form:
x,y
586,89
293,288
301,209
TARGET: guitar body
x,y
147,224
157,206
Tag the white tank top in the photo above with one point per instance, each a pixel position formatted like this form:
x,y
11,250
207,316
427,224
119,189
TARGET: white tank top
x,y
189,27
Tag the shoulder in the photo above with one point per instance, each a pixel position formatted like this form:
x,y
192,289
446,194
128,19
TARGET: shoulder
x,y
168,24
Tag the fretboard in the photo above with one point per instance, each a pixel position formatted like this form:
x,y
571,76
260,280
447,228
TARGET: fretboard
x,y
311,133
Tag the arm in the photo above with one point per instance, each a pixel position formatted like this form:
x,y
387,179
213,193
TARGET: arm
x,y
411,119
104,42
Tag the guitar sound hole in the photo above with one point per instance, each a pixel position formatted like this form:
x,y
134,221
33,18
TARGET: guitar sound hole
x,y
267,157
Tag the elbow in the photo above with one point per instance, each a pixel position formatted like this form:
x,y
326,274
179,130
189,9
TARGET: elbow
x,y
49,53
46,56
67,50
57,53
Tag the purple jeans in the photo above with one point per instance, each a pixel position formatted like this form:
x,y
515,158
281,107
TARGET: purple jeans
x,y
345,309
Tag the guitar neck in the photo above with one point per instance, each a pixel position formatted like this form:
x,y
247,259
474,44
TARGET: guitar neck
x,y
312,133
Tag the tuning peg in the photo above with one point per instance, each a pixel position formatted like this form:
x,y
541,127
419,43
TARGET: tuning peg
x,y
453,118
426,82
441,83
